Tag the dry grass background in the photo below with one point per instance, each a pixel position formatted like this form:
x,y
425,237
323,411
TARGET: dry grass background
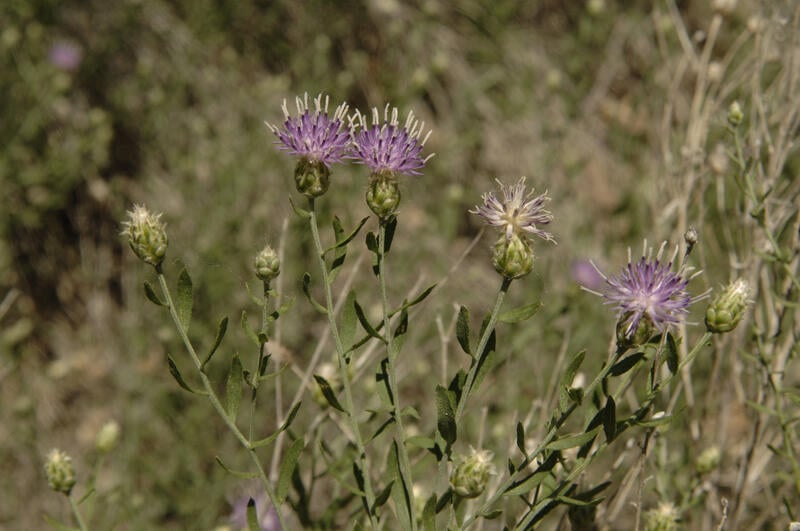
x,y
617,108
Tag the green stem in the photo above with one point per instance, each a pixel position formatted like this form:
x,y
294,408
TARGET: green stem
x,y
405,464
487,333
257,372
76,513
212,396
369,496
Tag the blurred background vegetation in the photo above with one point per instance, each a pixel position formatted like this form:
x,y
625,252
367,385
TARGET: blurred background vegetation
x,y
163,102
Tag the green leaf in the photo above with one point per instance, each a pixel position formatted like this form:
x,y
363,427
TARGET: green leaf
x,y
402,326
762,408
347,330
252,516
610,419
491,514
305,214
327,392
429,514
521,438
234,388
654,422
462,330
572,441
307,292
402,498
150,293
572,369
446,417
421,441
285,426
527,484
383,496
222,327
579,503
391,225
173,370
183,300
626,364
341,239
421,297
522,313
249,332
288,465
672,354
368,328
238,474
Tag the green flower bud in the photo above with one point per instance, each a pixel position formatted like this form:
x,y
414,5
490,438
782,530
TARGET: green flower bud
x,y
146,235
107,437
311,177
641,335
708,460
60,472
266,264
727,309
512,257
663,518
735,114
471,476
383,194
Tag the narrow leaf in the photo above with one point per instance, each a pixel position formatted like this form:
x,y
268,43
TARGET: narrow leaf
x,y
341,239
488,361
421,297
462,330
383,496
520,314
572,441
400,495
234,388
391,225
173,370
362,318
305,214
287,468
656,421
150,293
183,300
521,438
252,516
610,419
572,369
347,330
626,364
249,332
421,441
327,392
238,474
429,514
446,417
222,327
672,354
286,424
307,292
402,326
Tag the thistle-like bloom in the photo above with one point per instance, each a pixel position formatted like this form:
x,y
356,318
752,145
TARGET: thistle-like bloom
x,y
386,147
728,308
518,212
314,135
146,235
60,472
649,292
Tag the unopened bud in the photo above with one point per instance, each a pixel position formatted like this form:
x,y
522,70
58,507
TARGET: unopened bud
x,y
735,114
690,238
512,257
60,472
645,329
311,177
663,518
470,477
708,460
266,264
728,308
146,235
107,437
383,195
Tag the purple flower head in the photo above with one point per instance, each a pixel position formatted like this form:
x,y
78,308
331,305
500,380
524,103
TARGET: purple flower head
x,y
65,55
387,147
518,212
314,135
649,289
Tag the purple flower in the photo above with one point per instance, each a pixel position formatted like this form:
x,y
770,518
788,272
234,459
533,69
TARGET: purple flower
x,y
518,212
65,55
314,135
386,147
649,289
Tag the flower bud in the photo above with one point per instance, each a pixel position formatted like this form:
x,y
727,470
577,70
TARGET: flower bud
x,y
107,437
708,460
735,114
60,472
383,194
727,309
266,264
664,518
471,476
512,257
644,330
311,177
146,235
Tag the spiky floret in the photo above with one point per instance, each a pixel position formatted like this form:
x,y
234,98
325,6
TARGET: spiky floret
x,y
518,212
387,147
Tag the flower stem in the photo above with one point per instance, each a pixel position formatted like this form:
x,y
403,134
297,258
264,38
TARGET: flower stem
x,y
394,391
487,333
212,396
369,496
76,513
